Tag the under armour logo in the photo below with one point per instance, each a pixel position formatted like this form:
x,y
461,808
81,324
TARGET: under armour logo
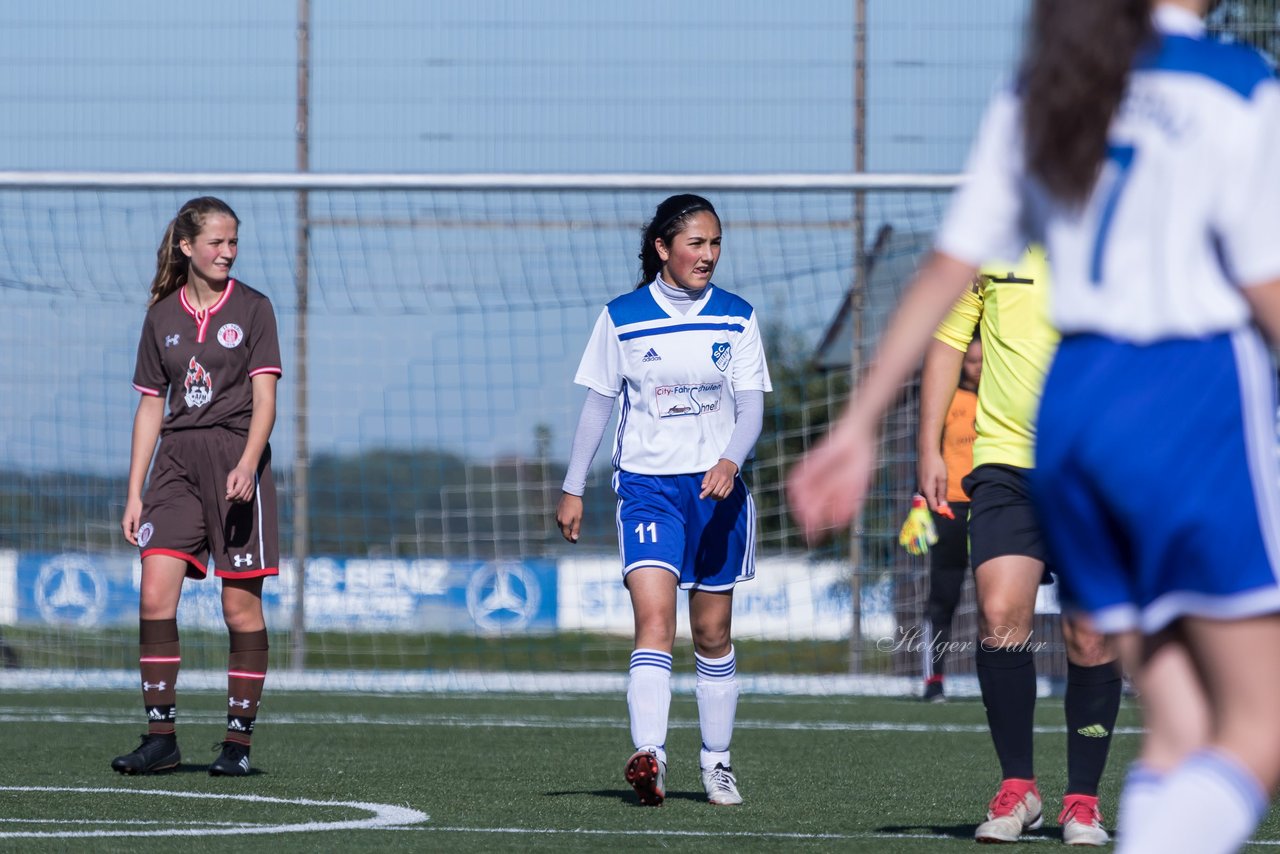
x,y
171,340
243,560
233,702
159,686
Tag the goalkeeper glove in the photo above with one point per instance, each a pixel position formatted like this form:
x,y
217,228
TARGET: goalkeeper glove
x,y
918,531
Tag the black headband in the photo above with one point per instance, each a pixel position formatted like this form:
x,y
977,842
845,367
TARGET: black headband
x,y
693,208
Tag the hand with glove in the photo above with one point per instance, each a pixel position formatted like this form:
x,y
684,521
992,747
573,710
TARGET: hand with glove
x,y
918,531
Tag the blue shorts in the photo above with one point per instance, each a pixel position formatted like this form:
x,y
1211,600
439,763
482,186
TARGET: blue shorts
x,y
706,544
1157,481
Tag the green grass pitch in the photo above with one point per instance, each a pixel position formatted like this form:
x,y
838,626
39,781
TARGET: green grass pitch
x,y
516,773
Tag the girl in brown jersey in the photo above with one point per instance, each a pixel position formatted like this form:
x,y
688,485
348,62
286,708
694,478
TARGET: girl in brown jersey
x,y
211,342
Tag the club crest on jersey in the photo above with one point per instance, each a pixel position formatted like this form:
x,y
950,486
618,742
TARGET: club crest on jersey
x,y
721,353
230,336
144,534
199,385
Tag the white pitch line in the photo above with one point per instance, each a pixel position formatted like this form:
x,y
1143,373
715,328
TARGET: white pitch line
x,y
27,715
390,817
131,822
384,815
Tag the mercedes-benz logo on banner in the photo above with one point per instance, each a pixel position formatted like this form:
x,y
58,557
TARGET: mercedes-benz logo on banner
x,y
70,591
503,596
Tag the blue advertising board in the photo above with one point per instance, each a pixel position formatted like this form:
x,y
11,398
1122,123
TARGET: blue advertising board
x,y
344,594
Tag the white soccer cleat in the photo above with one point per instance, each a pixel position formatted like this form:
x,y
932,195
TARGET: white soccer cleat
x,y
1081,821
721,786
647,774
1014,809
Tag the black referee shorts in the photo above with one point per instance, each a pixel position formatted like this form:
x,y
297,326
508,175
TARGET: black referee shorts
x,y
1002,520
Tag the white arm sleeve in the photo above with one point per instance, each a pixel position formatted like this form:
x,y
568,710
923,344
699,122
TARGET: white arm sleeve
x,y
748,421
597,409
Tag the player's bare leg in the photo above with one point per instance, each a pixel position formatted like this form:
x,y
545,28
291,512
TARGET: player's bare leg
x,y
1175,715
653,603
1213,800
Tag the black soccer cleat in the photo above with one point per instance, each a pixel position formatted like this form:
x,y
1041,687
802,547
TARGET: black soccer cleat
x,y
155,754
232,762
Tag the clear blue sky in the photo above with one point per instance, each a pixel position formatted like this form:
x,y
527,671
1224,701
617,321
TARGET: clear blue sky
x,y
405,86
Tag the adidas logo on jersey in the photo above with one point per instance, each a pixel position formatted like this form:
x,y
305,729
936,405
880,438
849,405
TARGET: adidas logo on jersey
x,y
651,356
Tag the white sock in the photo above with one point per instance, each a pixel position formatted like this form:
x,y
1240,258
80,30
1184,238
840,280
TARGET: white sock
x,y
1209,804
717,691
649,699
1138,797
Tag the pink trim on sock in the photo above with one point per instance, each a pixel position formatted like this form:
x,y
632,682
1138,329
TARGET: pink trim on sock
x,y
245,674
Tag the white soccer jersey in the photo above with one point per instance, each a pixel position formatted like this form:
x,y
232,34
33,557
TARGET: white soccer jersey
x,y
675,375
1186,210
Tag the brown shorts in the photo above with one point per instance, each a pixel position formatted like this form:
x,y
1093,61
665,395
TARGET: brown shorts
x,y
186,514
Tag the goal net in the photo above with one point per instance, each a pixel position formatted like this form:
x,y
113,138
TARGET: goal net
x,y
439,320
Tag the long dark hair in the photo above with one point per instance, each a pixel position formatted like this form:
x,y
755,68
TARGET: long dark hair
x,y
1073,77
171,263
671,218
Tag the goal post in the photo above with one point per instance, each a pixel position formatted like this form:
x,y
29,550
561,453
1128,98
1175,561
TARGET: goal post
x,y
445,315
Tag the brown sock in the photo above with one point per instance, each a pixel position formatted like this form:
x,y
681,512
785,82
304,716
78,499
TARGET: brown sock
x,y
246,671
159,661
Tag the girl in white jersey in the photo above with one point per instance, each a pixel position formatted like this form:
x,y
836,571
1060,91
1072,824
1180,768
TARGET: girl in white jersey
x,y
685,360
1146,157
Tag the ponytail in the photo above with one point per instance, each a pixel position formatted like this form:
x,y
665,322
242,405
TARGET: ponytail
x,y
1075,71
171,262
671,218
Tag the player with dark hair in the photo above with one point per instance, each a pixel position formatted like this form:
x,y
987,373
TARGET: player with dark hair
x,y
1143,154
209,345
686,362
947,524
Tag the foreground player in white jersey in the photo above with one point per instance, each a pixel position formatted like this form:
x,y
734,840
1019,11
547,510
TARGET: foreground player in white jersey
x,y
686,362
1147,157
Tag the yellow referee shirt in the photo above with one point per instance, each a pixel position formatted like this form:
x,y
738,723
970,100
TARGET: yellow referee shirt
x,y
1010,300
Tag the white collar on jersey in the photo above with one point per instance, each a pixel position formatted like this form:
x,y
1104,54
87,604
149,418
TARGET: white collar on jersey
x,y
1177,20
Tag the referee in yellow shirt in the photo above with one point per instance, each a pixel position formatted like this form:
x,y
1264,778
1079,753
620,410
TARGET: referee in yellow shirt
x,y
1008,303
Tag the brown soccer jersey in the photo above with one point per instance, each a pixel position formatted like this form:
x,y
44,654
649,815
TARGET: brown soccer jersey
x,y
206,359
